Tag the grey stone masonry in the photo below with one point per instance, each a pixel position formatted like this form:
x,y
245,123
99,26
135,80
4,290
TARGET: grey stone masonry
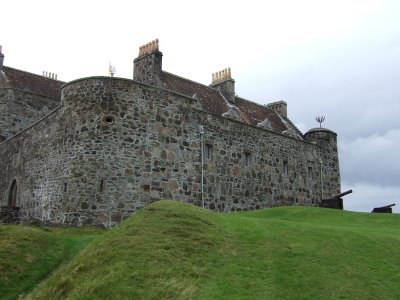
x,y
116,145
148,68
20,109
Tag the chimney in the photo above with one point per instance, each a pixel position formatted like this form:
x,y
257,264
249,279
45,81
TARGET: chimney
x,y
223,82
280,107
148,65
1,59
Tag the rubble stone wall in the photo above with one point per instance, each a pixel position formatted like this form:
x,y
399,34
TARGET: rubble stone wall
x,y
20,109
116,145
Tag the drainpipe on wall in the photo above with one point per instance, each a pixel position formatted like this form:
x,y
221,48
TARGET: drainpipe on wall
x,y
202,163
322,185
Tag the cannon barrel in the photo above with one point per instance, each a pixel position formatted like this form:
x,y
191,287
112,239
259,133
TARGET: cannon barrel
x,y
339,195
387,206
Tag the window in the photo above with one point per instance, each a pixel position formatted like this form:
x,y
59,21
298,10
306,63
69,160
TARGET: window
x,y
247,159
309,172
65,187
208,152
101,186
285,167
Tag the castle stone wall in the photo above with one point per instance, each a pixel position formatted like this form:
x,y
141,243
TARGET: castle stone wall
x,y
20,109
116,145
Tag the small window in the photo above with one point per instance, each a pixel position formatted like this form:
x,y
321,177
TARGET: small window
x,y
101,186
247,159
65,187
309,172
208,152
285,167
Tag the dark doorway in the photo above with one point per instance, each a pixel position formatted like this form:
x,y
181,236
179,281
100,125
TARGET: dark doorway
x,y
12,196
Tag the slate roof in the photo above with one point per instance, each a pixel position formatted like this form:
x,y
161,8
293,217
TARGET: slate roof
x,y
214,103
33,83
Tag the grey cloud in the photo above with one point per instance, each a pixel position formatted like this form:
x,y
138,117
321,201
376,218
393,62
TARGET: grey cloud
x,y
374,159
366,196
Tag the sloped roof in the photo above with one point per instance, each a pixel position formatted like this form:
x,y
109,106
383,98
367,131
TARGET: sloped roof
x,y
210,99
214,103
33,83
258,113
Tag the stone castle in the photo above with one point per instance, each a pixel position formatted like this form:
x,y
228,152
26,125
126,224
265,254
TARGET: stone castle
x,y
95,150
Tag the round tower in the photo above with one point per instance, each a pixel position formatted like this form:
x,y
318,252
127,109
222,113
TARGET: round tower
x,y
326,140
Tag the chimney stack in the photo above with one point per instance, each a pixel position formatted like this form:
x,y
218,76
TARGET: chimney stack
x,y
223,82
148,65
1,59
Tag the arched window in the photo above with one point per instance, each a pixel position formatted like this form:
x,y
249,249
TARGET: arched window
x,y
12,196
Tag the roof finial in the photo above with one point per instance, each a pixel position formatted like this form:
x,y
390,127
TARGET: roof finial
x,y
320,120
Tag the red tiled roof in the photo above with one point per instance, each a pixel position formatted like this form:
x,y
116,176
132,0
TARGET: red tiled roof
x,y
32,83
214,103
258,113
210,99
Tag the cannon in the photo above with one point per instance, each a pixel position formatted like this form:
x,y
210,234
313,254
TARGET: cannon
x,y
339,195
383,209
334,201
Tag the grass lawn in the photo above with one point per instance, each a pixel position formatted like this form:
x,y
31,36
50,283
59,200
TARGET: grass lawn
x,y
171,250
28,254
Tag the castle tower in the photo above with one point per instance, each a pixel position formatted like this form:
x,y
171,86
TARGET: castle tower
x,y
223,82
148,65
329,159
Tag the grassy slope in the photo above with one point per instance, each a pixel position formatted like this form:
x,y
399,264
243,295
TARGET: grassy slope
x,y
312,253
28,255
171,250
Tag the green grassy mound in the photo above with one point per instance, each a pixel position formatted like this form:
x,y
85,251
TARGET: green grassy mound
x,y
28,255
171,250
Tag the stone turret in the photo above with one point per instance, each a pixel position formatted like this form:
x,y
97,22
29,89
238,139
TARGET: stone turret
x,y
148,65
329,159
223,82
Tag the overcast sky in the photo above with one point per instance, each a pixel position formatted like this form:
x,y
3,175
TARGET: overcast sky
x,y
340,59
